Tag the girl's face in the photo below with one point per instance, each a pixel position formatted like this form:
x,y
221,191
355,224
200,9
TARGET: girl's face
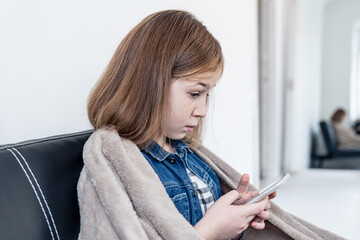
x,y
187,103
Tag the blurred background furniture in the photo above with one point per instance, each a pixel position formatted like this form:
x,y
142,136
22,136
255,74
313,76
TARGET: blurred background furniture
x,y
333,152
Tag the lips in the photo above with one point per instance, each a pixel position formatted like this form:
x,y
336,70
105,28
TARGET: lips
x,y
190,128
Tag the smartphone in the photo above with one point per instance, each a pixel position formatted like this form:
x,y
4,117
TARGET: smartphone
x,y
269,189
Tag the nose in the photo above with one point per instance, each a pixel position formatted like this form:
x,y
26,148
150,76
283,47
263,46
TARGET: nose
x,y
200,109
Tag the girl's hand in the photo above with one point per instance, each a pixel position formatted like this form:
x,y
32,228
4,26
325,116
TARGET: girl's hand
x,y
244,185
225,220
259,220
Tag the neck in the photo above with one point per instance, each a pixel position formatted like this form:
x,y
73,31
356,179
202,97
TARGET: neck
x,y
165,144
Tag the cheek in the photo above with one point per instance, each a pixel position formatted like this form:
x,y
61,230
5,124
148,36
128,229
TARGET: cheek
x,y
176,117
180,105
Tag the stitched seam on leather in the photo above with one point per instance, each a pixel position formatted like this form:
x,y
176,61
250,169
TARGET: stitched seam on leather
x,y
42,195
36,194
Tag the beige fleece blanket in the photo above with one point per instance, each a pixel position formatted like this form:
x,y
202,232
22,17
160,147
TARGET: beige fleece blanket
x,y
121,197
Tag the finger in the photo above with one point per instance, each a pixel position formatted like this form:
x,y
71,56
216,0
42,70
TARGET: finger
x,y
255,208
249,195
258,225
268,206
257,219
243,184
264,215
246,197
229,198
250,218
272,195
254,194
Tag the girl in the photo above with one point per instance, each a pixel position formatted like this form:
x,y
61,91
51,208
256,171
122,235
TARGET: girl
x,y
146,175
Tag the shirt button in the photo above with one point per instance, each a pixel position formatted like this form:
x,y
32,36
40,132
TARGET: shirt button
x,y
181,155
172,160
195,193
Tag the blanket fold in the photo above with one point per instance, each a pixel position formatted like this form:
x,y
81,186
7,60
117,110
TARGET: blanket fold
x,y
121,197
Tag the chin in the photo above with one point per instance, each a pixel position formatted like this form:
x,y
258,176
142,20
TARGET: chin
x,y
178,137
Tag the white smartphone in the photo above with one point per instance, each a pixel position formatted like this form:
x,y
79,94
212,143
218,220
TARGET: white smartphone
x,y
269,189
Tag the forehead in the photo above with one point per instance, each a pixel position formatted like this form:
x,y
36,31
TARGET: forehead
x,y
209,79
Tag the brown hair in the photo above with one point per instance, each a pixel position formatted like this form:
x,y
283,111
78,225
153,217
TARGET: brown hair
x,y
132,93
338,115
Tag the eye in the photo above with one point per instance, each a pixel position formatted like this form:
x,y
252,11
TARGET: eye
x,y
194,94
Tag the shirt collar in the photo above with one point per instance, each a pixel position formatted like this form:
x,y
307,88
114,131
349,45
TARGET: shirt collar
x,y
179,145
158,153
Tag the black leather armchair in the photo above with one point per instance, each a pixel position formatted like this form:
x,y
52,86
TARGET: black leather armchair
x,y
38,179
331,145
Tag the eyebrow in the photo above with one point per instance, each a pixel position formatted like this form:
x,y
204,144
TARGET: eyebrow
x,y
204,84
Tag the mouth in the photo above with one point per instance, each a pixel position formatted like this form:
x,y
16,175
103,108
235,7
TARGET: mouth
x,y
189,128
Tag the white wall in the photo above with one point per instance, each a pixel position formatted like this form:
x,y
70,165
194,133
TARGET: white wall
x,y
339,20
304,94
52,53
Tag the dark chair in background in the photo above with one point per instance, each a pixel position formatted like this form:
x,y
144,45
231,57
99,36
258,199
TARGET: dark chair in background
x,y
333,152
38,180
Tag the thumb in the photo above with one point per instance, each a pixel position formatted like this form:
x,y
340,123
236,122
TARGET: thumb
x,y
229,198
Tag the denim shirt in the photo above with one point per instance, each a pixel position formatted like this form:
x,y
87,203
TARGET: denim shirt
x,y
171,169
